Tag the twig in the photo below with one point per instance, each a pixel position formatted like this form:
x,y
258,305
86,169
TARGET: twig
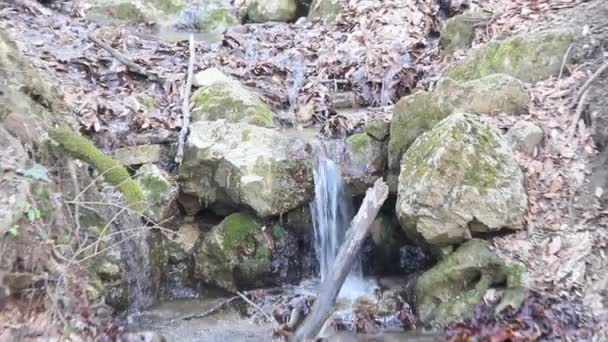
x,y
131,66
257,307
179,156
561,69
580,108
587,84
208,312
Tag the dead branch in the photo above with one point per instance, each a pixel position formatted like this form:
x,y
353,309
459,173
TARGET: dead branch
x,y
131,66
580,108
359,229
587,84
566,55
210,311
186,105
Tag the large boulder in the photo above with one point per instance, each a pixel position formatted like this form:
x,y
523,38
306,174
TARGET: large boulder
x,y
241,253
529,57
222,97
326,9
451,290
364,162
459,179
416,114
261,11
246,165
131,11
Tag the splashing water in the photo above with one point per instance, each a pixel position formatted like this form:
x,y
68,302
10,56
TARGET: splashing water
x,y
332,212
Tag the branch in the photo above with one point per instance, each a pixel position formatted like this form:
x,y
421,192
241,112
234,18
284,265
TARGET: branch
x,y
587,84
359,229
186,105
131,66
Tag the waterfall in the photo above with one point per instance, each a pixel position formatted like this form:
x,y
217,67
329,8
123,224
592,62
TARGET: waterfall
x,y
332,212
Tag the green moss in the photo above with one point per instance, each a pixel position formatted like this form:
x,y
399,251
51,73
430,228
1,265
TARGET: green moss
x,y
359,143
114,173
220,102
154,187
218,18
168,6
238,228
326,9
145,100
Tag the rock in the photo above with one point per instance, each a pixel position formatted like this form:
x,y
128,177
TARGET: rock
x,y
326,9
459,32
451,289
261,11
418,113
180,264
525,136
13,191
529,57
238,253
246,165
391,302
377,129
131,11
159,191
142,154
143,336
304,115
221,97
364,162
211,16
459,179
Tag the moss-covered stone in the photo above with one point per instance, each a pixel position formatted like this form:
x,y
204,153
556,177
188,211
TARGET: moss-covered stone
x,y
525,136
326,9
221,97
131,11
262,169
377,129
451,289
418,113
235,254
159,191
459,32
261,11
364,162
114,173
529,57
459,179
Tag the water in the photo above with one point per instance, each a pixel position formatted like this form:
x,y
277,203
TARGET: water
x,y
332,212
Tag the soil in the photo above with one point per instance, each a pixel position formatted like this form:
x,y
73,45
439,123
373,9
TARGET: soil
x,y
565,246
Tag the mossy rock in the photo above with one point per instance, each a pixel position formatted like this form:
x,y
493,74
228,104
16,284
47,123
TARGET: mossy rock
x,y
221,97
451,290
237,254
364,162
420,112
159,191
209,16
131,11
377,128
529,57
261,11
459,179
325,9
245,165
459,32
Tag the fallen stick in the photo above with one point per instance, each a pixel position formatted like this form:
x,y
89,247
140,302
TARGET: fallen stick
x,y
580,108
179,156
208,312
359,229
131,66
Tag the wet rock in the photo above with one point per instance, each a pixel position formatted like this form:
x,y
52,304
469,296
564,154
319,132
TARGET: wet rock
x,y
377,129
413,258
529,57
364,162
326,9
261,11
525,136
418,113
159,191
239,254
387,238
142,154
451,289
459,32
391,302
222,97
180,264
207,16
246,165
457,180
131,11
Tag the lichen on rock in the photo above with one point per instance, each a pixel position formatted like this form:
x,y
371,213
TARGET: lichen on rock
x,y
222,97
418,113
246,165
159,191
364,162
326,9
459,179
529,57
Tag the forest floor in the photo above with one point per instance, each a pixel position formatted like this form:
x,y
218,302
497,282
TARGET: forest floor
x,y
565,246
